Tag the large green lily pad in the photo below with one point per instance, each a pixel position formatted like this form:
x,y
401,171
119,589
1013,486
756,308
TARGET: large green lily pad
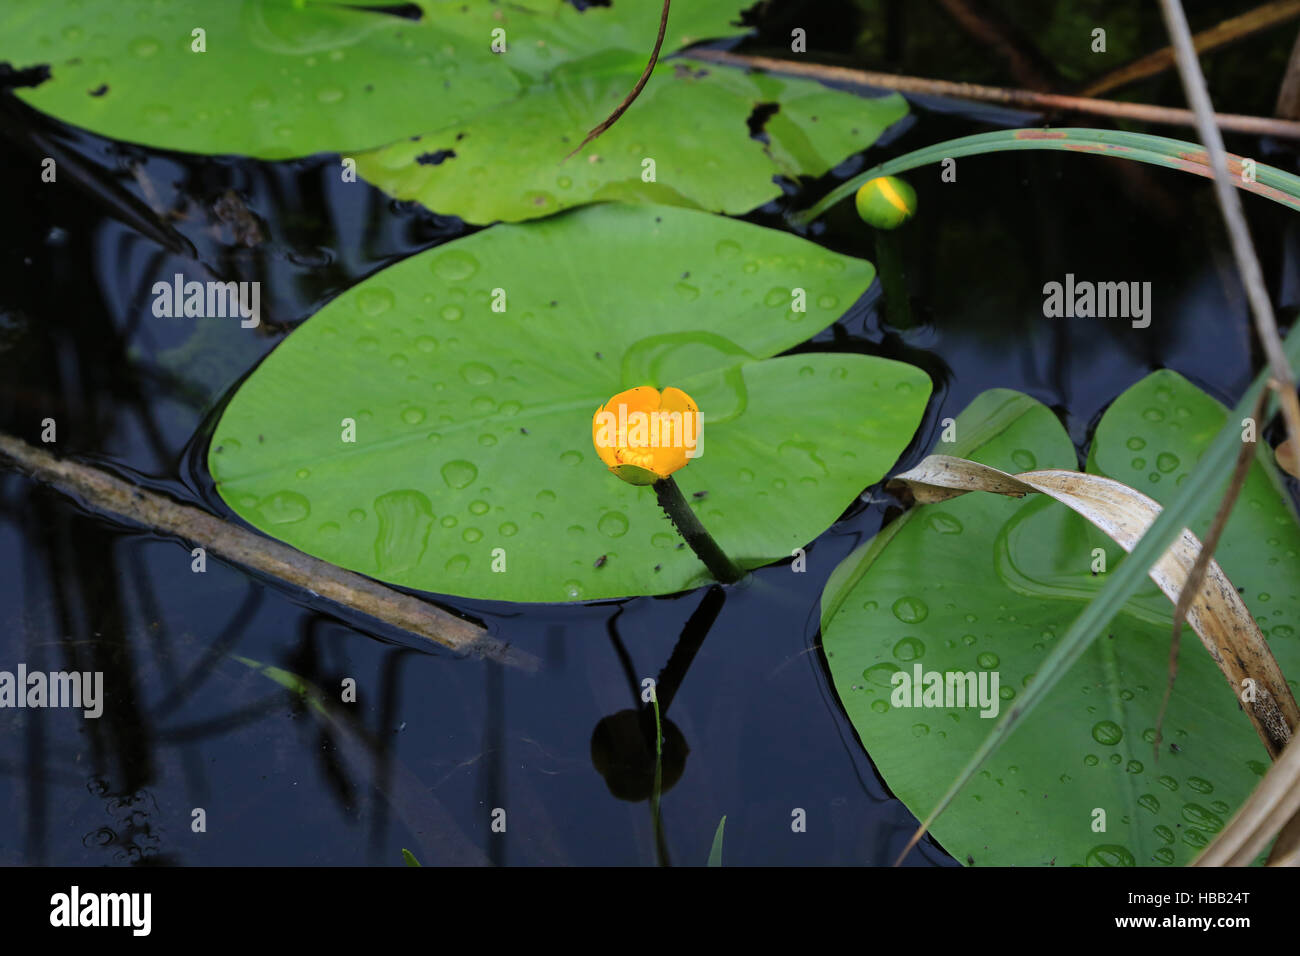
x,y
473,427
508,163
284,78
429,111
984,583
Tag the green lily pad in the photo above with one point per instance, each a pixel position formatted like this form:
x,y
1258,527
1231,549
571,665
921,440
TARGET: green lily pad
x,y
505,164
429,111
284,78
986,584
474,427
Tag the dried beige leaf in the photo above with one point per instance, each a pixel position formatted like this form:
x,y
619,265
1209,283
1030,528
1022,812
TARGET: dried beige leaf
x,y
1288,457
1217,614
1274,802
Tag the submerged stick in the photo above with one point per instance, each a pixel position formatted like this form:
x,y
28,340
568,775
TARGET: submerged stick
x,y
107,492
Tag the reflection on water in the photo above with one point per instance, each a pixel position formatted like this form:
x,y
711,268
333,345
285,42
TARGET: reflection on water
x,y
132,835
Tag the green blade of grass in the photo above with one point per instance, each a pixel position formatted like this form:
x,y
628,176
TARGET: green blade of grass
x,y
409,857
289,681
1269,181
1211,472
715,854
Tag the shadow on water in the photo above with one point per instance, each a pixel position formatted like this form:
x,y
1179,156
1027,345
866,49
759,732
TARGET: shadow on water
x,y
225,695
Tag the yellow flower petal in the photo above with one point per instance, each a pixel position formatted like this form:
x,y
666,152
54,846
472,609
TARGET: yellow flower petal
x,y
643,398
655,431
604,446
675,400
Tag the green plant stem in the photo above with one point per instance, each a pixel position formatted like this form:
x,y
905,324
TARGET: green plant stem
x,y
688,526
656,794
889,264
659,750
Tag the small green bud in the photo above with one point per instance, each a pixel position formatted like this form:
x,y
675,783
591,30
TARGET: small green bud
x,y
886,202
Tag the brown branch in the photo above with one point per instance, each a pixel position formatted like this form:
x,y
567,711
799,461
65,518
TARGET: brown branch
x,y
1243,250
636,90
1222,34
989,28
1288,97
1143,112
108,493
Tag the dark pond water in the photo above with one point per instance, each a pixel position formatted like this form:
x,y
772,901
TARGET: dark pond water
x,y
435,743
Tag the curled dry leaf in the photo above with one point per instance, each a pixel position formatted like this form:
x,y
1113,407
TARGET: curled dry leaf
x,y
1273,803
1218,615
1288,457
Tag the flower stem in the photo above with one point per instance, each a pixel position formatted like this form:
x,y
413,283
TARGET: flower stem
x,y
706,549
889,264
657,794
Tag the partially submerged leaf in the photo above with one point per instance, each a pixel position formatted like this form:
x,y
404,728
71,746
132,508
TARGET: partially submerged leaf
x,y
473,427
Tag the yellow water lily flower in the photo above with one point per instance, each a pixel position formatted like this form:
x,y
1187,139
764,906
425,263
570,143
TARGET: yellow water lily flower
x,y
644,435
